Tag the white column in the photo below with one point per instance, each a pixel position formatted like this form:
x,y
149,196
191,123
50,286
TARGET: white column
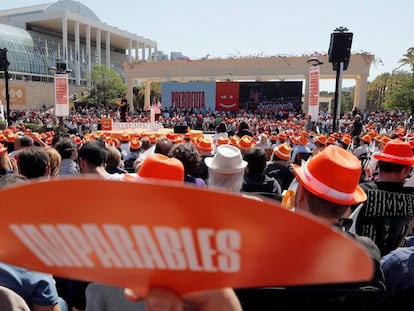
x,y
137,52
88,51
77,53
65,39
130,51
150,53
143,52
108,49
360,93
156,54
98,46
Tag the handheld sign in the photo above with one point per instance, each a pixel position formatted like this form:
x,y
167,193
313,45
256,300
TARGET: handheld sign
x,y
139,235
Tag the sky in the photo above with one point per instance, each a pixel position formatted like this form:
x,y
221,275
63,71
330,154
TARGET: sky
x,y
262,27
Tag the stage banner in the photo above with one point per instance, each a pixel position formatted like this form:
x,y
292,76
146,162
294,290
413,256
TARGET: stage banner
x,y
313,93
61,95
106,124
142,234
227,96
189,95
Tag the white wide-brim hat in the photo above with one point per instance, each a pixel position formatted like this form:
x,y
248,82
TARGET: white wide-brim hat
x,y
227,160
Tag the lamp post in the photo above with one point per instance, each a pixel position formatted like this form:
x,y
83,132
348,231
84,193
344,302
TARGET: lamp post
x,y
61,88
313,94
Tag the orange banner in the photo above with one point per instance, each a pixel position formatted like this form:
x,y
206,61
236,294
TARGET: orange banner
x,y
17,95
227,96
138,235
106,124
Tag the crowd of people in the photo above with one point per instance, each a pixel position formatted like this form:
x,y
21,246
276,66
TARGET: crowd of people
x,y
357,179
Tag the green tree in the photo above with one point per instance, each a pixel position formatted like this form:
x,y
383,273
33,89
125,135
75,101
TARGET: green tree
x,y
376,91
400,94
107,85
408,59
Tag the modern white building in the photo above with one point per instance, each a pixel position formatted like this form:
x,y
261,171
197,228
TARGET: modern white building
x,y
37,36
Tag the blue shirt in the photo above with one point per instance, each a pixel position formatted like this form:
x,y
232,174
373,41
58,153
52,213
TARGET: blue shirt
x,y
34,287
398,267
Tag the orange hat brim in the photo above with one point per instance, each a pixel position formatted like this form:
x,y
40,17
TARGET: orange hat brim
x,y
359,194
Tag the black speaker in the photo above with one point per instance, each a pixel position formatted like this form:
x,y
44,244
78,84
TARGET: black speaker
x,y
340,48
4,64
60,67
180,129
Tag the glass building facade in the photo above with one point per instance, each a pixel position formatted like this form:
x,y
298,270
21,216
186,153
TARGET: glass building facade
x,y
31,54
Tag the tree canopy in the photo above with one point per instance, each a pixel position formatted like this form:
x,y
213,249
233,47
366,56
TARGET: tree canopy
x,y
107,85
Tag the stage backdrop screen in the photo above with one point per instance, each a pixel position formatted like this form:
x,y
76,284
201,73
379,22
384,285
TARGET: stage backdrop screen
x,y
256,94
189,95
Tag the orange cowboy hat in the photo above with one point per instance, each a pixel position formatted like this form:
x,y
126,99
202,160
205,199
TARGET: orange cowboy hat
x,y
234,140
10,138
246,142
159,166
319,176
282,135
152,138
171,136
2,137
125,137
283,151
322,139
77,140
346,140
135,143
331,141
273,137
396,151
366,138
302,140
2,149
335,135
204,145
222,140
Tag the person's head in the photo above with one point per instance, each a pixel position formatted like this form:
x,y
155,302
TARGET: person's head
x,y
226,169
330,178
26,141
145,143
92,155
54,159
33,162
11,179
113,156
221,128
243,126
188,155
256,160
395,161
67,148
163,146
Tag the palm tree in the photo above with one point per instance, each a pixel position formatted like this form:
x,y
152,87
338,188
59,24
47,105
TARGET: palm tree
x,y
408,59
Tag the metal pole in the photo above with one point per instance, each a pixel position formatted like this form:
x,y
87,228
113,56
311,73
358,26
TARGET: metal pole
x,y
6,80
338,92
